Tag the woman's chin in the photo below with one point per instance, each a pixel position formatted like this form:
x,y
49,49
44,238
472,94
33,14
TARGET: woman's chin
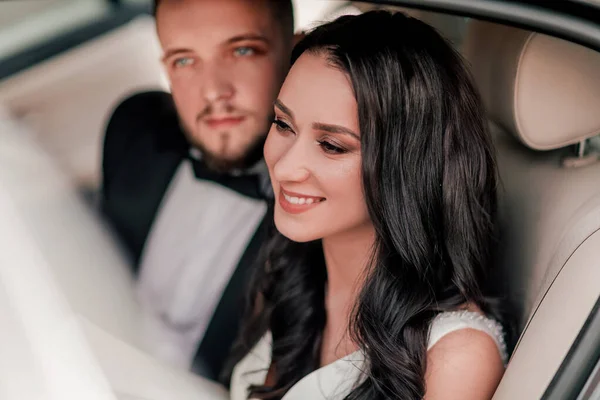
x,y
296,237
299,234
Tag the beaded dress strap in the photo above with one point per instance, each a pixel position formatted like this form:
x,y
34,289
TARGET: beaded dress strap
x,y
447,322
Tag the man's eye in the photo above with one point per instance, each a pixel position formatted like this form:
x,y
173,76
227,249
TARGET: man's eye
x,y
244,51
183,62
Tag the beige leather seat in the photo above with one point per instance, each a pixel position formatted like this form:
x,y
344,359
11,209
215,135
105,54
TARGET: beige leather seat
x,y
542,95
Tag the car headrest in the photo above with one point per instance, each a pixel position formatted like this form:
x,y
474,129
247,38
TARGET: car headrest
x,y
544,90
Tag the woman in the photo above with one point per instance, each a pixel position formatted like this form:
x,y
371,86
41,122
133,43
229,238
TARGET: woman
x,y
385,187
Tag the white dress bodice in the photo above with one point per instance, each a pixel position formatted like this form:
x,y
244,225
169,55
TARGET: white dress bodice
x,y
334,381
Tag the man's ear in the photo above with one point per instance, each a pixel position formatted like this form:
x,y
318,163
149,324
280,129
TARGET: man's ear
x,y
298,37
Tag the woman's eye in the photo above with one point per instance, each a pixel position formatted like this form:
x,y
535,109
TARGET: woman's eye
x,y
331,148
183,62
281,126
244,51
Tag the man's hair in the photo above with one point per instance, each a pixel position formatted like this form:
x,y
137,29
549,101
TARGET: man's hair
x,y
283,12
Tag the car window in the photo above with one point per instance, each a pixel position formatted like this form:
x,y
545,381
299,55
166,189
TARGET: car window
x,y
26,23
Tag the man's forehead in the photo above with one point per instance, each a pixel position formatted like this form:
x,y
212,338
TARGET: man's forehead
x,y
213,21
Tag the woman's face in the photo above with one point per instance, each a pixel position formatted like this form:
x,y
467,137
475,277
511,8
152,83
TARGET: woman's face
x,y
313,154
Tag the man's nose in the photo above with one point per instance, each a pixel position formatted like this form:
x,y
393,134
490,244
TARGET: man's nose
x,y
216,83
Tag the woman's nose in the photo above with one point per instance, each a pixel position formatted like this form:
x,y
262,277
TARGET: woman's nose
x,y
292,166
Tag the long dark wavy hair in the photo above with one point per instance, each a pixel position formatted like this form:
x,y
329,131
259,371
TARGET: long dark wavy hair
x,y
429,179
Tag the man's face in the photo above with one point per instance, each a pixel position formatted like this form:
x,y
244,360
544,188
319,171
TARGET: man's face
x,y
226,60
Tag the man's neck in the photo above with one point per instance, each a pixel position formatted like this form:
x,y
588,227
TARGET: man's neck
x,y
258,168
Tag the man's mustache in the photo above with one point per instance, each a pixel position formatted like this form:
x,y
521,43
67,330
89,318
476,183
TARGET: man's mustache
x,y
225,109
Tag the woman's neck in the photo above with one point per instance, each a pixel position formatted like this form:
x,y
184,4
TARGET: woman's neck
x,y
346,257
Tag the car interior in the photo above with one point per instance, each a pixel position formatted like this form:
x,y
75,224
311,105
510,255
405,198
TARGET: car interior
x,y
69,317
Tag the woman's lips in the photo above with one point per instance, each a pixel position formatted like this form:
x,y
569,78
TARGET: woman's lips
x,y
296,203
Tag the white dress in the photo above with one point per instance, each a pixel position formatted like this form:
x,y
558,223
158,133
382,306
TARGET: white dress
x,y
334,381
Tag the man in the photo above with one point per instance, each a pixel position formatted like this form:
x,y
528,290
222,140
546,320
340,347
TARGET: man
x,y
184,182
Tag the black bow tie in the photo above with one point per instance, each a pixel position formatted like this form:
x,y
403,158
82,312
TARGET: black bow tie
x,y
251,185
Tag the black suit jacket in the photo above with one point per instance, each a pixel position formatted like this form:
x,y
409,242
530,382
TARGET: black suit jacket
x,y
143,147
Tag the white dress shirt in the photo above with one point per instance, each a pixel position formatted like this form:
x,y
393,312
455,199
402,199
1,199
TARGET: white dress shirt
x,y
201,231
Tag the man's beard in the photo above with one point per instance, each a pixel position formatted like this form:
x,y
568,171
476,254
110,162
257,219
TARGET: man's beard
x,y
252,154
217,163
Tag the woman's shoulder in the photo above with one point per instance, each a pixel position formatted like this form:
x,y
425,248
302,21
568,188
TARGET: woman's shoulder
x,y
466,355
464,363
466,321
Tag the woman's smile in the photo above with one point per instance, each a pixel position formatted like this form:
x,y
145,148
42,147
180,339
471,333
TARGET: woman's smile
x,y
295,203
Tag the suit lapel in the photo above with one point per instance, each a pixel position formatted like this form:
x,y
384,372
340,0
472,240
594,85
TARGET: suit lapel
x,y
223,328
143,148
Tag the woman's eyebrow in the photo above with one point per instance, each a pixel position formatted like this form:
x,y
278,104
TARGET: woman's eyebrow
x,y
330,128
335,129
284,108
